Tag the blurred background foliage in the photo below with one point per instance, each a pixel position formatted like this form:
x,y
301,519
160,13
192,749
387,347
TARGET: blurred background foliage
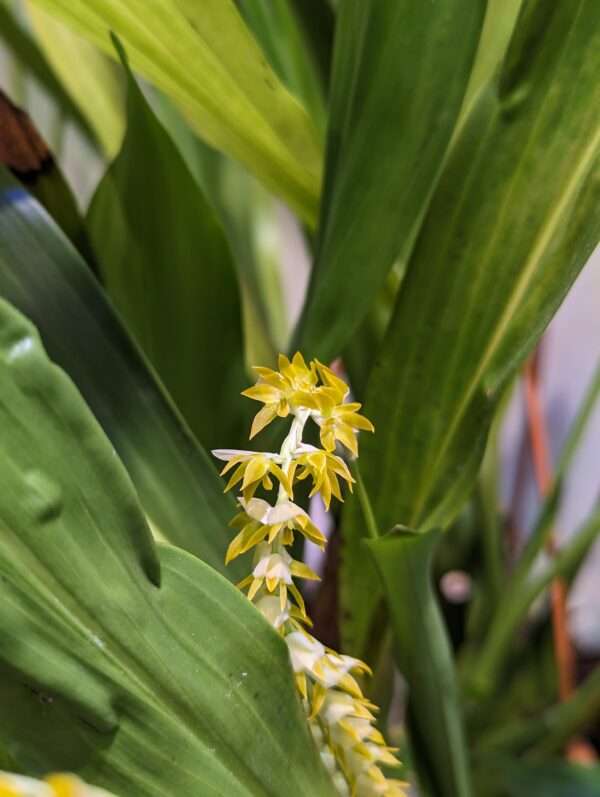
x,y
407,191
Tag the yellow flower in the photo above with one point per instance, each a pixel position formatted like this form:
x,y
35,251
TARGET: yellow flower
x,y
324,468
260,521
253,469
282,391
341,422
53,786
276,569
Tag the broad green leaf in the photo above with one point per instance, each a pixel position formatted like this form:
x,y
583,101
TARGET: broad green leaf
x,y
168,268
87,75
276,25
27,53
205,59
399,78
244,208
514,218
403,559
144,668
44,277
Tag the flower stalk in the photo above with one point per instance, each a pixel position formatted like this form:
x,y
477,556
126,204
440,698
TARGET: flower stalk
x,y
340,717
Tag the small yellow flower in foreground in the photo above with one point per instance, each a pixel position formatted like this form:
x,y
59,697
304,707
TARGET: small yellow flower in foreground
x,y
252,470
339,717
341,422
260,521
281,391
53,786
324,468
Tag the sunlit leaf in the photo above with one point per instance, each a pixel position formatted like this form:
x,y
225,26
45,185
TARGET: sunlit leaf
x,y
205,59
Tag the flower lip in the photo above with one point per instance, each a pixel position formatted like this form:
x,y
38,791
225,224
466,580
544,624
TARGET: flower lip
x,y
261,510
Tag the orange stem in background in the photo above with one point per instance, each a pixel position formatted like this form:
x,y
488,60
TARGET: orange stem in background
x,y
540,450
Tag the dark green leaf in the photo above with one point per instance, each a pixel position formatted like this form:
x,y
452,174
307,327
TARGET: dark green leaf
x,y
508,777
141,668
168,268
242,206
276,26
399,77
45,278
514,218
423,655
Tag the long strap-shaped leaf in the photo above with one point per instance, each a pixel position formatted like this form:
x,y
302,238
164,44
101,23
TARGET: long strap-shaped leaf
x,y
46,279
168,268
400,72
514,218
144,670
202,55
422,650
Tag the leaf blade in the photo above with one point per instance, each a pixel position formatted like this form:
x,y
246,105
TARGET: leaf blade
x,y
487,270
399,78
117,631
46,279
168,268
210,65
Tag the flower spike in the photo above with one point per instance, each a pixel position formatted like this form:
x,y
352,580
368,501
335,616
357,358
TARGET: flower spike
x,y
339,716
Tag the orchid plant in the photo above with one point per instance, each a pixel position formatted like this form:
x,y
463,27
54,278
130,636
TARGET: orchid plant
x,y
396,194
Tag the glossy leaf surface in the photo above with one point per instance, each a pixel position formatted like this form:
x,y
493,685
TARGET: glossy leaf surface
x,y
139,667
45,278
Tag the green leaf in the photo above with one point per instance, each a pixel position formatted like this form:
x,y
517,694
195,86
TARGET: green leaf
x,y
86,74
509,777
403,560
26,51
514,218
168,268
399,77
244,208
206,60
277,27
45,278
520,592
144,669
548,732
318,21
499,24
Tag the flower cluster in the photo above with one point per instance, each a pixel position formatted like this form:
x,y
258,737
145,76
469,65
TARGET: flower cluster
x,y
52,786
340,717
